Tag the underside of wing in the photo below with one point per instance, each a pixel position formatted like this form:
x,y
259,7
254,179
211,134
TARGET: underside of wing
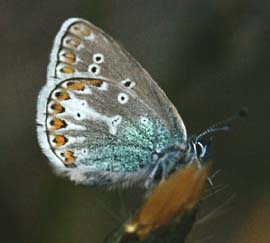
x,y
80,48
100,113
97,125
88,124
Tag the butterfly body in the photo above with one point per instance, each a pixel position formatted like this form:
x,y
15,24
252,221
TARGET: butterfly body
x,y
102,119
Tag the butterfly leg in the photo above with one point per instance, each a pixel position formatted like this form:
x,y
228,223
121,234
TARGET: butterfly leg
x,y
157,174
165,166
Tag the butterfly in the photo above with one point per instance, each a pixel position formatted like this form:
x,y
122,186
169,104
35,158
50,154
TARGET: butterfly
x,y
103,121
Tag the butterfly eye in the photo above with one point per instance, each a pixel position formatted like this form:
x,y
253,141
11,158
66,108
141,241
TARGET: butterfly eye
x,y
200,149
98,58
94,68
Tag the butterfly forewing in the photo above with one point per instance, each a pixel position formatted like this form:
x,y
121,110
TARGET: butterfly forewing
x,y
82,48
100,110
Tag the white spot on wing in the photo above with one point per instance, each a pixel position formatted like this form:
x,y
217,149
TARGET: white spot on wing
x,y
144,120
72,140
115,121
74,106
90,37
128,83
81,46
98,58
94,68
73,126
104,86
78,60
122,98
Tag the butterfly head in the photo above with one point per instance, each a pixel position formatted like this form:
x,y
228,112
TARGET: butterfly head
x,y
201,149
196,149
201,143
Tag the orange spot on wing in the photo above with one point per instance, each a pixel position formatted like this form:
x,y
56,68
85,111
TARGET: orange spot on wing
x,y
79,29
58,123
71,57
57,108
68,69
173,197
62,95
60,140
69,157
71,42
94,82
67,56
79,86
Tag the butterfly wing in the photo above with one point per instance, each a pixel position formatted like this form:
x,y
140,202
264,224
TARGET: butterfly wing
x,y
81,48
100,111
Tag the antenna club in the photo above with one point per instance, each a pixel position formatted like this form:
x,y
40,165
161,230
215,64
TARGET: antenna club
x,y
224,125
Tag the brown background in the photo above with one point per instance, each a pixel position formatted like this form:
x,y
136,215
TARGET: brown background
x,y
211,58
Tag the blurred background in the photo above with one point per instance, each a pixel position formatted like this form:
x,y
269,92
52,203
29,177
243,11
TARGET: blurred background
x,y
210,57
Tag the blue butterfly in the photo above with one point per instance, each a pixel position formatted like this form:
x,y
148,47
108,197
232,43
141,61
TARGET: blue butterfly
x,y
102,120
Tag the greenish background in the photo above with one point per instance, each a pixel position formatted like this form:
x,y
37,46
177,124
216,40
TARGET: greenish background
x,y
210,57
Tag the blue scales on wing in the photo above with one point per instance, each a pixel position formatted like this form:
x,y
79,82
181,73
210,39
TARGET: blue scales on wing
x,y
102,117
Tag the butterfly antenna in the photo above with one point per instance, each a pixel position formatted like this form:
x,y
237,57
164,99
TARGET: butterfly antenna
x,y
224,125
